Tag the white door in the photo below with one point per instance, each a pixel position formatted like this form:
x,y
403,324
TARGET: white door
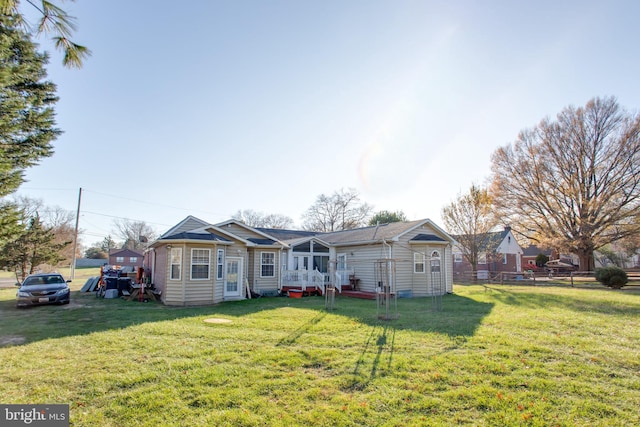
x,y
234,277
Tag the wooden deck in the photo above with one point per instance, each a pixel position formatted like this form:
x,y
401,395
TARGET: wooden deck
x,y
358,294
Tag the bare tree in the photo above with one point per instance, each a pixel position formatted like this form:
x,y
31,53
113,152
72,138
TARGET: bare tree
x,y
470,220
259,219
573,183
134,234
60,221
340,211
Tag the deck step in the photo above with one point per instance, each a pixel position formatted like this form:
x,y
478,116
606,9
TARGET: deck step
x,y
358,294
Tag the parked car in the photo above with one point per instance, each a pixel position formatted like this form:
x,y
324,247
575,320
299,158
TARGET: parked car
x,y
39,289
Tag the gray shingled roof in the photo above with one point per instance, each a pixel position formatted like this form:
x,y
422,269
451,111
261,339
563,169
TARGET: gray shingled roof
x,y
283,235
259,241
369,234
196,236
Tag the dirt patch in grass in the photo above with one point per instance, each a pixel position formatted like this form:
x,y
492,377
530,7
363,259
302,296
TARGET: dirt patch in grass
x,y
11,340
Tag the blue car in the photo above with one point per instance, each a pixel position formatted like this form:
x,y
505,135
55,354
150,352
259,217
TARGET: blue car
x,y
40,289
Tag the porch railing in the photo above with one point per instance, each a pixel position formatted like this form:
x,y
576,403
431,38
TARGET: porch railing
x,y
303,279
314,278
341,277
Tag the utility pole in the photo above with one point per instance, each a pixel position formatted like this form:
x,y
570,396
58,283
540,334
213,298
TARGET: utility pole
x,y
75,237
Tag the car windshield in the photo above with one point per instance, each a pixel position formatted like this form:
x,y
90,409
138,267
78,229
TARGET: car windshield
x,y
42,280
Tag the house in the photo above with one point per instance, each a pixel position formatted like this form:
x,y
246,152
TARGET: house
x,y
501,253
529,255
200,263
125,258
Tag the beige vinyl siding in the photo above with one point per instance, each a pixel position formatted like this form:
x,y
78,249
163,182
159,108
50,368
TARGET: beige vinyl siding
x,y
174,294
189,225
241,232
264,283
406,279
190,293
363,263
186,291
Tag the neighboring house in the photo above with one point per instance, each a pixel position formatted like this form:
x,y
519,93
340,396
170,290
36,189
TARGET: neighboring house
x,y
200,263
529,255
502,253
125,258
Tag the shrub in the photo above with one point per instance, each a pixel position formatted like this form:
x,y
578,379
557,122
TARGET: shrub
x,y
612,277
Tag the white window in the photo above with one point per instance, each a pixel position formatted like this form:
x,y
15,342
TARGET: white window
x,y
482,258
119,259
200,260
133,259
418,263
267,264
504,259
457,257
220,264
342,262
176,264
435,262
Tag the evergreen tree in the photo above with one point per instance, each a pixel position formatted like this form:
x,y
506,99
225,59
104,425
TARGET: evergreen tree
x,y
27,126
54,21
387,217
34,246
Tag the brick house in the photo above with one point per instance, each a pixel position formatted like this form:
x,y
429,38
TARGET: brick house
x,y
502,254
125,258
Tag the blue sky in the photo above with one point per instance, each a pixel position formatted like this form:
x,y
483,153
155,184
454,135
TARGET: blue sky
x,y
207,107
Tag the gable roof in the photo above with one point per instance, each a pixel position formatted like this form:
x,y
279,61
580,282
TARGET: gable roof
x,y
264,239
427,238
533,250
377,233
493,240
192,228
185,235
190,223
125,252
284,235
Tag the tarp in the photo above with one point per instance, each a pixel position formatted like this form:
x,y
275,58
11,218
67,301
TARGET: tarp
x,y
556,263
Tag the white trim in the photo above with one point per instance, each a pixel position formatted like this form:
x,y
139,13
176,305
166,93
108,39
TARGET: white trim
x,y
208,264
220,264
171,264
418,262
263,264
240,277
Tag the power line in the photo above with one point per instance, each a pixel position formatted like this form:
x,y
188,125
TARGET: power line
x,y
122,217
144,202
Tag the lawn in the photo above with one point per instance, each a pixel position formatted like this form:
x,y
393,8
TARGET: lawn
x,y
507,355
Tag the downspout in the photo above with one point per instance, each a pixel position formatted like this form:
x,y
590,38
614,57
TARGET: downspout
x,y
184,275
153,265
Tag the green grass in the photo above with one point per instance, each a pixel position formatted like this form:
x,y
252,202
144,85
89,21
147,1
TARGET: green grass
x,y
512,355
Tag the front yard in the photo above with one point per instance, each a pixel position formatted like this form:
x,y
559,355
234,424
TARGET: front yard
x,y
508,355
